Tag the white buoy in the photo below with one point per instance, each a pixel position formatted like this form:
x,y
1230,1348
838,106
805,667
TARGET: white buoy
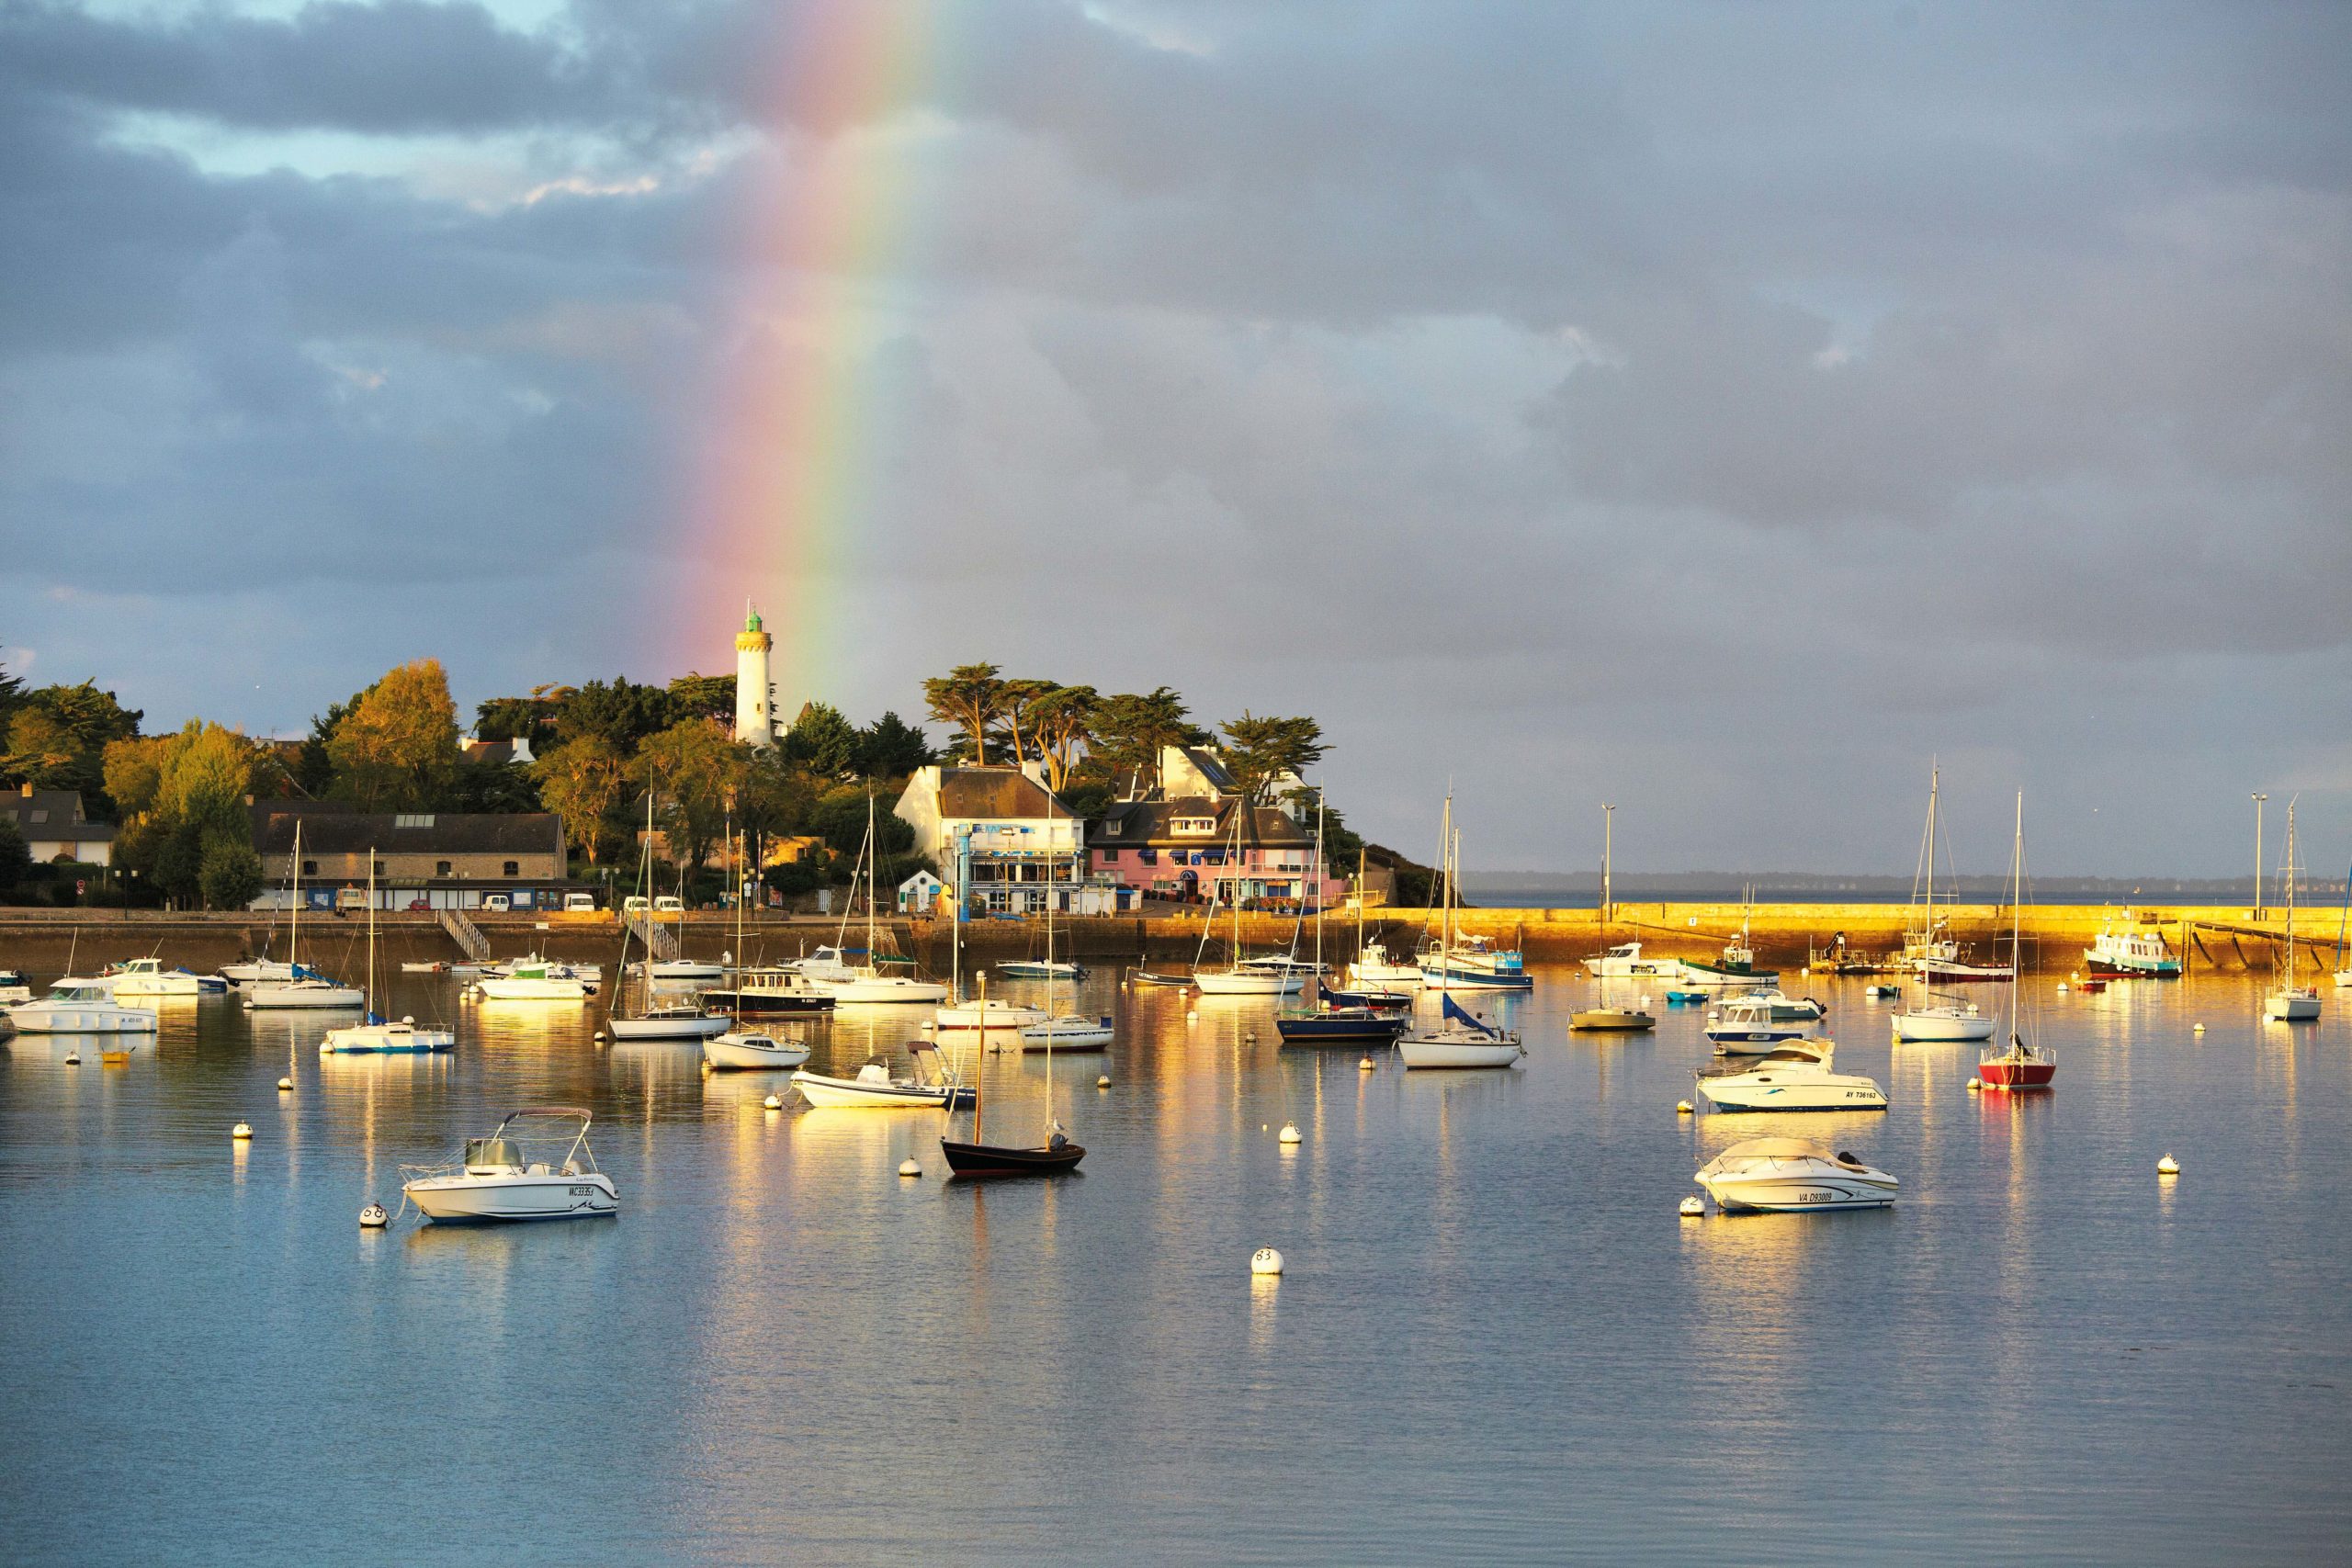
x,y
241,1132
774,1103
1975,1085
1102,1082
72,1058
908,1167
1290,1133
1265,1260
2167,1167
1251,1037
1684,1108
600,1037
1692,1208
286,1085
2062,988
1192,1015
1363,1064
2198,1029
1645,1000
373,1218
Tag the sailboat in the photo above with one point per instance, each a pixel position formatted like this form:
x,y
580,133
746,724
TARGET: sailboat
x,y
980,1157
1240,977
690,1020
376,1036
1071,1031
2289,1002
2344,974
1460,1038
303,989
1322,1023
866,983
1932,1020
2021,1065
1928,951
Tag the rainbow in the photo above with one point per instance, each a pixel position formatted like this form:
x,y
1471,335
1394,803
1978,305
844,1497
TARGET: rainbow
x,y
801,422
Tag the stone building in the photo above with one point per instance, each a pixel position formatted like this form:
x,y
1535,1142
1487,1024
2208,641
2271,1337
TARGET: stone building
x,y
442,860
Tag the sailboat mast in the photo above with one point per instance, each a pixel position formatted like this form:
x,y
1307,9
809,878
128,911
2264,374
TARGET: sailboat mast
x,y
294,919
1445,915
370,1014
2016,916
1314,877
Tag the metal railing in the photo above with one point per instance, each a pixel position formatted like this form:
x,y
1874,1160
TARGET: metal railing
x,y
660,939
465,933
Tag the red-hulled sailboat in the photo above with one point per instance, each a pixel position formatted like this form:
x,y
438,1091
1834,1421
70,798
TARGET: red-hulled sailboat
x,y
2021,1065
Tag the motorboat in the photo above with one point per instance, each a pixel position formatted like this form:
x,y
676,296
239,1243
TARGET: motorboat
x,y
1373,970
770,993
875,1088
1611,1021
1933,1023
306,988
1797,1075
14,987
1781,1008
2128,950
535,1166
379,1037
147,977
676,1021
1627,961
80,1007
1040,969
1069,1032
1474,964
986,1015
1460,1039
1791,1176
672,969
535,980
1744,1026
753,1050
870,986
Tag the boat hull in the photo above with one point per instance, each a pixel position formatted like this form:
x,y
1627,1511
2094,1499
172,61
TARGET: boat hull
x,y
827,1093
1457,1053
1694,974
500,1200
884,992
1249,985
1340,1028
1068,1035
1934,969
387,1040
511,989
989,1159
1035,969
2131,968
80,1017
2290,1009
1797,1192
1457,978
262,997
768,1004
753,1055
1741,1042
1610,1020
2004,1074
701,1027
1828,1091
1922,1028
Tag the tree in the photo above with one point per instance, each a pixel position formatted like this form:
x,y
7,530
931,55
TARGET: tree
x,y
1130,729
704,696
397,749
179,864
623,712
890,748
1060,720
1014,700
694,769
583,782
971,697
206,771
774,797
822,741
1260,751
16,855
133,769
502,788
530,719
57,737
314,769
231,877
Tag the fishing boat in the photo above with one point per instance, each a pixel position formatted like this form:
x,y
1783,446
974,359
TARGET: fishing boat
x,y
2288,1001
2133,951
878,982
1460,1039
1374,971
1797,1075
380,1037
1735,965
535,1166
2021,1067
769,992
1627,961
1744,1026
1786,1176
146,977
978,1157
930,1086
80,1007
1611,1021
1472,963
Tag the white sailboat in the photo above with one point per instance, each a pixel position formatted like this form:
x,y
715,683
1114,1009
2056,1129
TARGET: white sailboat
x,y
1071,1031
1928,951
690,1020
867,984
1935,1020
2288,1002
381,1037
301,989
1238,977
1459,1039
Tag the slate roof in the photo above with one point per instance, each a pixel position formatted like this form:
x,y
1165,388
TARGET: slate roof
x,y
329,829
60,817
995,793
1144,823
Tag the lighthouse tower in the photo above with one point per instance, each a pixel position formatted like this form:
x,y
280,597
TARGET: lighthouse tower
x,y
754,697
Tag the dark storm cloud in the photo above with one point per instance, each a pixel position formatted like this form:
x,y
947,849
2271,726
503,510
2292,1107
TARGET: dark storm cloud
x,y
1716,409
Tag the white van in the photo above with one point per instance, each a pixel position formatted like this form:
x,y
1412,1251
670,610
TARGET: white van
x,y
575,903
667,905
495,904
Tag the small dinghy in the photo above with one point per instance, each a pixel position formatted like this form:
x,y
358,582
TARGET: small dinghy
x,y
537,1166
1685,999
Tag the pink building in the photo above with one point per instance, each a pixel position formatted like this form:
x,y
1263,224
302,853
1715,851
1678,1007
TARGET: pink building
x,y
1184,849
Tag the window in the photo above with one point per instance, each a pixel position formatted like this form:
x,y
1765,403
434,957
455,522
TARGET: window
x,y
1193,825
378,868
1109,857
510,868
1112,829
440,868
41,813
413,819
309,868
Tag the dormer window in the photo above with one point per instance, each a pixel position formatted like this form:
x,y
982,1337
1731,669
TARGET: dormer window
x,y
1113,828
1196,825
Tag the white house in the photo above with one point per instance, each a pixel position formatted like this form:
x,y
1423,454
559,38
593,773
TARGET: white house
x,y
56,829
1024,846
918,893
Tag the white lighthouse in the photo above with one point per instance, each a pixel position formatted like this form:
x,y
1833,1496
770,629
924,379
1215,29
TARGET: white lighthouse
x,y
754,697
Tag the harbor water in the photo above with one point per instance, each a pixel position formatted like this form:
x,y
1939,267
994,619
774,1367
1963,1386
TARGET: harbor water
x,y
1494,1339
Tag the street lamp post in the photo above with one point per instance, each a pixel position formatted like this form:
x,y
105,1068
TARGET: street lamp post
x,y
1608,849
2258,799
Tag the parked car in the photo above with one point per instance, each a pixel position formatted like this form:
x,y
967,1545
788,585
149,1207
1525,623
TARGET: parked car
x,y
636,904
495,904
575,902
666,904
419,906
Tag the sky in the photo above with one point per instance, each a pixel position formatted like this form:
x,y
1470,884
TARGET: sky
x,y
1718,412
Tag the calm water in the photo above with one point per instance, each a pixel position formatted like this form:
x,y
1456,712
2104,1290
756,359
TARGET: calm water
x,y
1495,1340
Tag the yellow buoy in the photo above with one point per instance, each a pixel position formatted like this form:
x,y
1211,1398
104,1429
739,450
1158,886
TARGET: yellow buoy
x,y
1363,1064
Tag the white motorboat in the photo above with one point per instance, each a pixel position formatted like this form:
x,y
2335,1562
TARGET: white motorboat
x,y
1626,961
875,1088
986,1014
1744,1026
1788,1176
1070,1032
378,1037
80,1007
753,1050
671,969
147,977
537,1166
682,1020
1374,971
14,989
1795,1075
1782,1007
535,980
1933,1022
2127,949
1474,964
